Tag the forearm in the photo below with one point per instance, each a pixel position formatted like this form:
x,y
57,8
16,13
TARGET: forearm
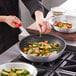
x,y
39,15
2,18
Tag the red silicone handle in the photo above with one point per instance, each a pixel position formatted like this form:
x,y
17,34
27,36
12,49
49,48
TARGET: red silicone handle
x,y
18,25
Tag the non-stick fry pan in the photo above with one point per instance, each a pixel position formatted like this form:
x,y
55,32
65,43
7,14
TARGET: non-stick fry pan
x,y
44,37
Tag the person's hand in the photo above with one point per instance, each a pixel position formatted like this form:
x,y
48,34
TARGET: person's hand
x,y
12,21
43,26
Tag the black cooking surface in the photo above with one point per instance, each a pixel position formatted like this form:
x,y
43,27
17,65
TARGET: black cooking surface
x,y
63,66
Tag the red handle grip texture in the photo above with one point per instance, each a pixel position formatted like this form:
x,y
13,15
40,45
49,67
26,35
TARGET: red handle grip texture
x,y
17,24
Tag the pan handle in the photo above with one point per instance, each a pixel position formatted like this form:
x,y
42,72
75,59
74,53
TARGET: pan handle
x,y
23,33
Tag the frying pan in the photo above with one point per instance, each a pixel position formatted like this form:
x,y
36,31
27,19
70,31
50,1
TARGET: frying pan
x,y
44,37
38,38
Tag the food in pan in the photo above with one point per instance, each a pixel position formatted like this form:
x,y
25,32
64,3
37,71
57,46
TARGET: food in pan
x,y
15,72
63,25
41,49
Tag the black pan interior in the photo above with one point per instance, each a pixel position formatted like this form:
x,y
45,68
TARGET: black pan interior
x,y
45,37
